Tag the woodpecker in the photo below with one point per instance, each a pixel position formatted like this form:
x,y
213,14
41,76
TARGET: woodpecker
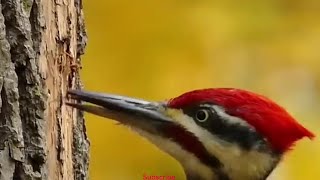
x,y
217,133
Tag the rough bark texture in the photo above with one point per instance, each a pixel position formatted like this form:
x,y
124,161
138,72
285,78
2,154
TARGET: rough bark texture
x,y
40,47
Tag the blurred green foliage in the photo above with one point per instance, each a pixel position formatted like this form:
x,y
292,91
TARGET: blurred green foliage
x,y
159,49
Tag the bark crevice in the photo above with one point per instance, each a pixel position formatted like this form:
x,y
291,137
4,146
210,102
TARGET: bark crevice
x,y
40,136
30,89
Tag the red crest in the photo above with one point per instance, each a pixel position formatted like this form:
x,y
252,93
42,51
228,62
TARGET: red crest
x,y
269,119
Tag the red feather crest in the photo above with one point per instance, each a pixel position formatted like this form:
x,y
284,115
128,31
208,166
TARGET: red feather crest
x,y
268,118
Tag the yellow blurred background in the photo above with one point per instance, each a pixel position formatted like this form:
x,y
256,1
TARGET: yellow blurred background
x,y
159,49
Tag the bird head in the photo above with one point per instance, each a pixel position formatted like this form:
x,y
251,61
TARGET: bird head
x,y
220,133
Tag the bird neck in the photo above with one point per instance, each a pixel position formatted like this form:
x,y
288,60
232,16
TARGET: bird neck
x,y
232,163
244,166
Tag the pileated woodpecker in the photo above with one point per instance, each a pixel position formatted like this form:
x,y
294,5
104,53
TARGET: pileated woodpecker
x,y
221,133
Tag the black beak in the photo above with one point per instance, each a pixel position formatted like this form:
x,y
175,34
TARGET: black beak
x,y
128,111
140,115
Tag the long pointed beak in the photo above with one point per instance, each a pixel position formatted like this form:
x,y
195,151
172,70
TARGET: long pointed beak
x,y
128,111
141,115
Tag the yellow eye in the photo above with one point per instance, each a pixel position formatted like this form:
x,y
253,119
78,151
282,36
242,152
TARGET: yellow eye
x,y
202,115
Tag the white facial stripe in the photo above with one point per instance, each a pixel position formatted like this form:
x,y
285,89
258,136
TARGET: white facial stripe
x,y
229,119
238,163
187,160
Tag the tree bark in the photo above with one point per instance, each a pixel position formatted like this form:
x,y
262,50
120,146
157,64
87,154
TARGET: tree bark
x,y
40,47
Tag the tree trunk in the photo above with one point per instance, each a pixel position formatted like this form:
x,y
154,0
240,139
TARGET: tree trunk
x,y
41,43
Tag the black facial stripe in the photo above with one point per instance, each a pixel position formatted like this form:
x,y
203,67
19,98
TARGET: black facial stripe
x,y
245,137
190,143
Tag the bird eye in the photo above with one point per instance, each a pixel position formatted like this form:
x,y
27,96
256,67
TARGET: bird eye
x,y
202,115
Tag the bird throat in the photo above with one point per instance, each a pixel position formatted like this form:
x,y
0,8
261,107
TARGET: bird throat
x,y
225,164
247,167
240,172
